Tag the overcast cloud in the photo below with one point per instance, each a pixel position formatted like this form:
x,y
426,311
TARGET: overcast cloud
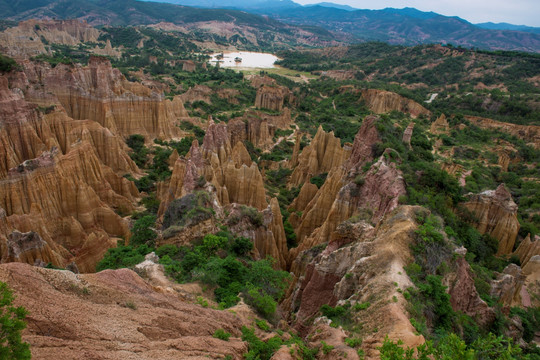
x,y
519,12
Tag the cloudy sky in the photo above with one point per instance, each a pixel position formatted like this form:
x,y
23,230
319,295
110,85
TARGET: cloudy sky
x,y
519,12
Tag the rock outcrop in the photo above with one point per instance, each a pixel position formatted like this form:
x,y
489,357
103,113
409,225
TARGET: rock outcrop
x,y
322,155
60,182
364,269
510,287
229,170
25,40
495,213
439,126
115,314
258,128
349,191
381,102
362,149
69,199
268,236
407,135
463,294
271,97
527,249
529,133
100,93
370,195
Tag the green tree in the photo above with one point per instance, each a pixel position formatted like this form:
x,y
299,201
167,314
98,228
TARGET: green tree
x,y
142,231
11,325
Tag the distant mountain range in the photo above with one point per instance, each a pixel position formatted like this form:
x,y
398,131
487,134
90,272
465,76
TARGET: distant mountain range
x,y
507,26
406,26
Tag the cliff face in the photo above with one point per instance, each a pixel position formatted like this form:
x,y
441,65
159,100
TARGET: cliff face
x,y
365,269
347,191
364,140
341,198
495,213
268,236
24,40
440,126
517,286
100,93
527,249
529,133
271,97
234,180
60,181
463,294
230,171
322,155
69,200
258,128
380,102
116,314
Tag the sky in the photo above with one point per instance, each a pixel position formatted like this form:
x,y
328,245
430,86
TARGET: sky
x,y
518,12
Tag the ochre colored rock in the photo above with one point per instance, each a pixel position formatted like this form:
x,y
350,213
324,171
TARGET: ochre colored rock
x,y
189,66
381,102
376,195
527,249
69,199
258,128
100,93
271,97
464,297
235,178
364,270
407,134
317,211
29,248
115,314
440,126
322,155
272,241
268,237
365,138
513,288
529,133
306,194
60,180
296,150
197,93
24,40
496,215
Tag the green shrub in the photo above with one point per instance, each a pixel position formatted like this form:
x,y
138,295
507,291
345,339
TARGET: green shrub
x,y
262,324
262,302
361,306
142,232
258,349
318,179
353,342
254,216
241,246
326,349
7,64
140,153
122,257
190,209
11,325
222,335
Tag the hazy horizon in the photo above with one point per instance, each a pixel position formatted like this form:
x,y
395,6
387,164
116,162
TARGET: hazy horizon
x,y
518,12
